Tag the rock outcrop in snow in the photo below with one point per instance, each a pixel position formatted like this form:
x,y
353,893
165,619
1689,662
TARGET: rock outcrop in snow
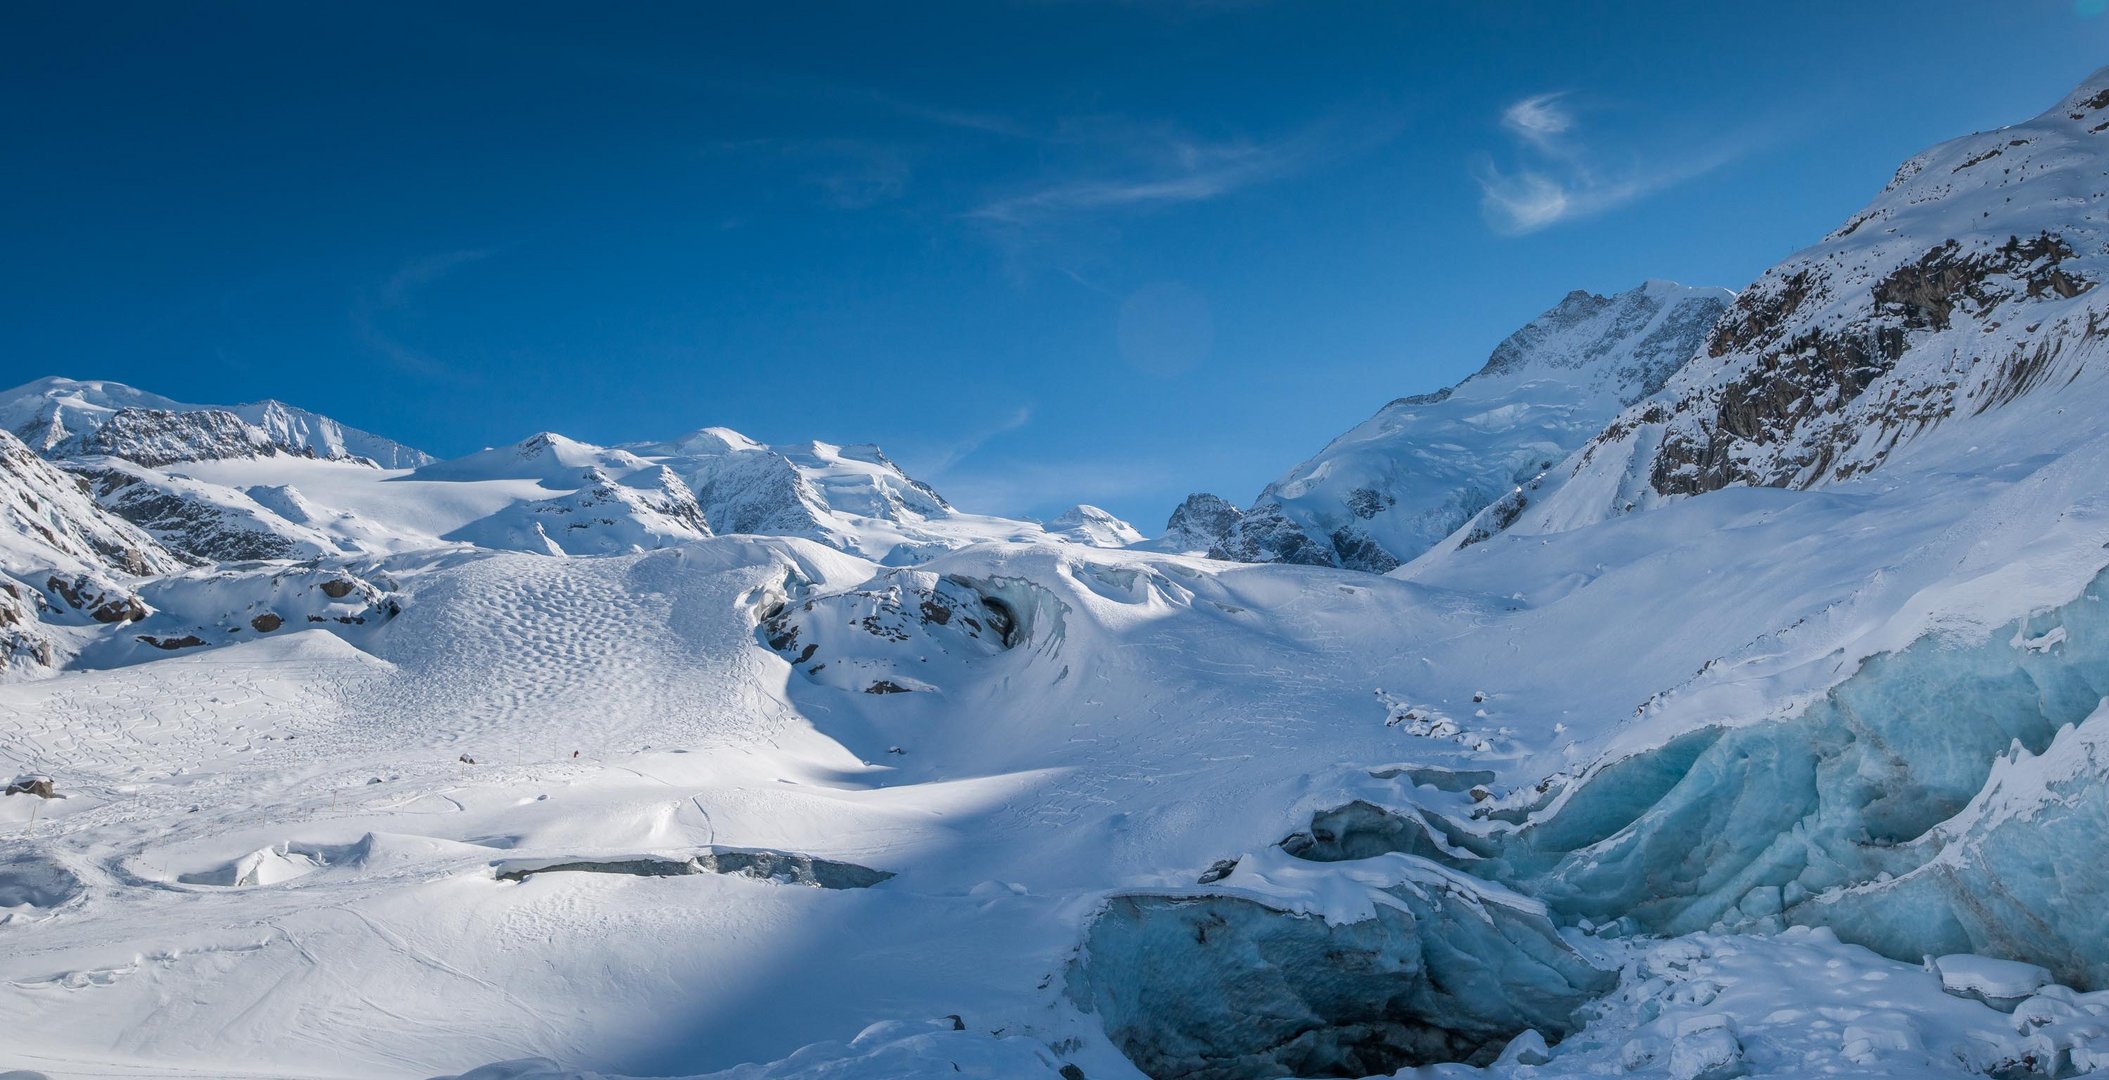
x,y
62,557
1424,465
206,522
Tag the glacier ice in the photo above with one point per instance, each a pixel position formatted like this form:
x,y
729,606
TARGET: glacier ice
x,y
1834,816
1244,982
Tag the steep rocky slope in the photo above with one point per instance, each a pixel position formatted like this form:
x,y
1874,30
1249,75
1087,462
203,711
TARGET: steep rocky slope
x,y
1966,289
62,558
1197,525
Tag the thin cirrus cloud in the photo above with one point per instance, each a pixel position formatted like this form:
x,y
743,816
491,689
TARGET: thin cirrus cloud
x,y
848,173
1563,177
1119,167
370,312
1540,120
939,461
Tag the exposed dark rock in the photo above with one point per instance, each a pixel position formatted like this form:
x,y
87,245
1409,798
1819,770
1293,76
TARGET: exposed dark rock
x,y
103,602
762,864
1200,523
1804,375
187,641
39,786
1361,830
1266,534
190,525
155,437
1365,503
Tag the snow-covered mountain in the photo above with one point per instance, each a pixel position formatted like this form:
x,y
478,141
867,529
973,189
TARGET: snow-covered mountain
x,y
1087,524
1963,297
1197,525
273,481
613,501
1406,478
849,497
710,757
72,418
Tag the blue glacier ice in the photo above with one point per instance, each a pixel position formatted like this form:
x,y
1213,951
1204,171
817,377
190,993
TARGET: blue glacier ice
x,y
1849,814
1246,982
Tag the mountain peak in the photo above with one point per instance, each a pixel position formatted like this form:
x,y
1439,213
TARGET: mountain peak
x,y
1383,492
1097,527
1644,329
57,416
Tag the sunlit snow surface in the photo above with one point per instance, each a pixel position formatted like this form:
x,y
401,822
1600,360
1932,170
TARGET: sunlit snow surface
x,y
1160,714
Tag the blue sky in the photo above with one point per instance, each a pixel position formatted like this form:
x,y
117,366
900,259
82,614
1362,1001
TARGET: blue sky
x,y
1043,252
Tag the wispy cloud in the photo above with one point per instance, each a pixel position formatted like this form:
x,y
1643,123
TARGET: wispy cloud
x,y
424,270
850,174
1139,168
1540,120
1560,175
944,116
369,312
936,463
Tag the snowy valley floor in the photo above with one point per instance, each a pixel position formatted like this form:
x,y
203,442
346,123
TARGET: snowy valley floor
x,y
316,855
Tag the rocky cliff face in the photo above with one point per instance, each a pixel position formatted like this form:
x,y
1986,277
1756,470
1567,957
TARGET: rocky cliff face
x,y
1424,465
202,521
1198,525
155,437
1968,286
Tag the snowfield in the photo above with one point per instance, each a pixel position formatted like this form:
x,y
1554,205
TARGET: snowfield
x,y
1779,754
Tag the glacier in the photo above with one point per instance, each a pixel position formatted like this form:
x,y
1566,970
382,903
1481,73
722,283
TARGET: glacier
x,y
1731,702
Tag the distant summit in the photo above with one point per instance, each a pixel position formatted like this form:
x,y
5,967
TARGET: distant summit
x,y
1424,465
